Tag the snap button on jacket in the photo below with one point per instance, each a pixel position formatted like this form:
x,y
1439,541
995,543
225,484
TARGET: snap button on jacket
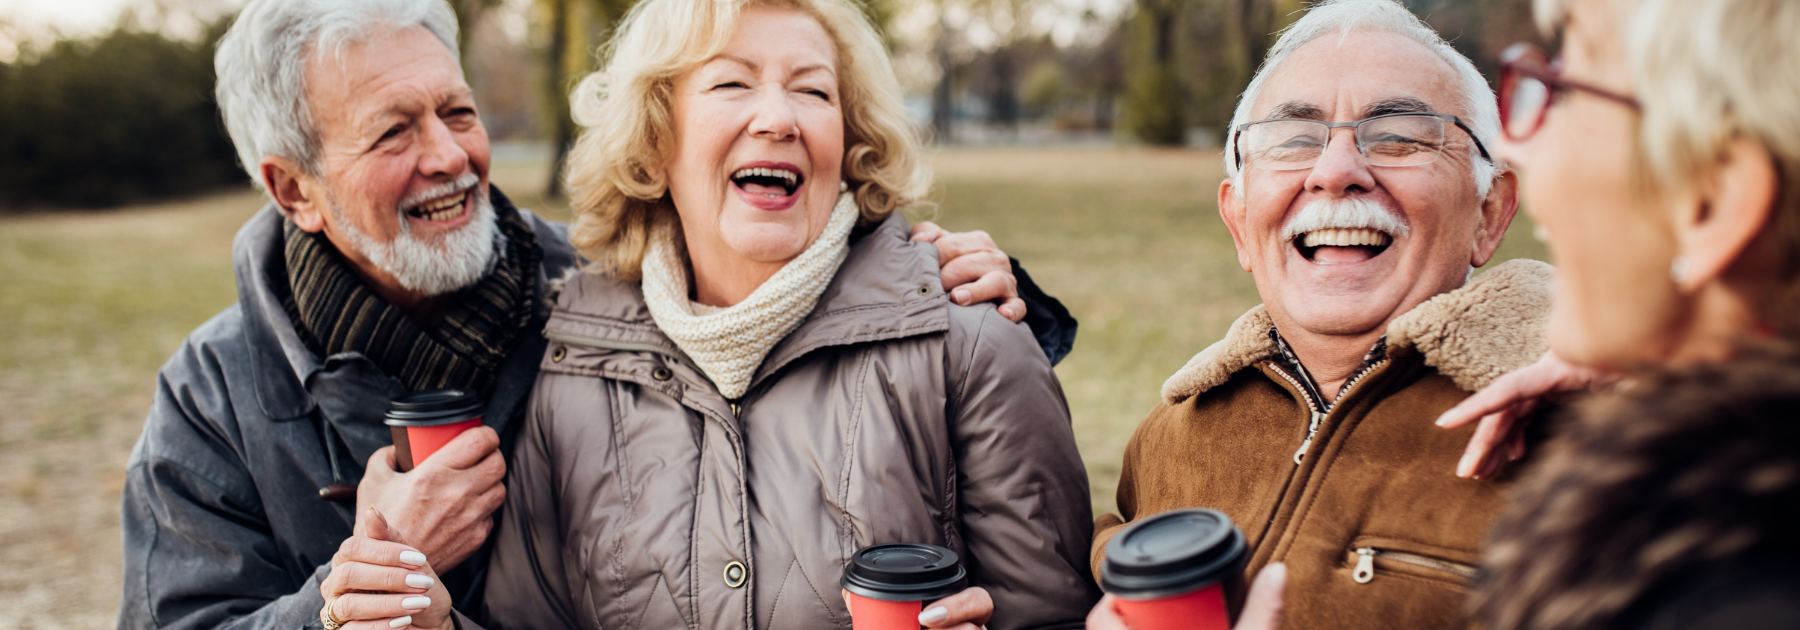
x,y
890,415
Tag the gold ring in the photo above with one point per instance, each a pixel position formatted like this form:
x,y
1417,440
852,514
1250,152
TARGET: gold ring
x,y
327,619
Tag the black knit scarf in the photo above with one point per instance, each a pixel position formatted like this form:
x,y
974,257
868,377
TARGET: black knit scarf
x,y
335,312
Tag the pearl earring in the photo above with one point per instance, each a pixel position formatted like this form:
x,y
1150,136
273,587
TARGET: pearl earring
x,y
843,186
1678,270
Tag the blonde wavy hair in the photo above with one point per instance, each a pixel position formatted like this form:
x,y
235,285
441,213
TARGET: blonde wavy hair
x,y
619,196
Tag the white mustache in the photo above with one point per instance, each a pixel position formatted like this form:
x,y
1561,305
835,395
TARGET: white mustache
x,y
460,184
1354,213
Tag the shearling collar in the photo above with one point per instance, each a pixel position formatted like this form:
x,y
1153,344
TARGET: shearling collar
x,y
1491,326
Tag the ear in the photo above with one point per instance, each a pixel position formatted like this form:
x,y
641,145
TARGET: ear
x,y
298,194
1716,225
1497,212
1231,210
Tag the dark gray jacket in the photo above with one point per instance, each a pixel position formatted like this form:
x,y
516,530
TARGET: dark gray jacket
x,y
223,522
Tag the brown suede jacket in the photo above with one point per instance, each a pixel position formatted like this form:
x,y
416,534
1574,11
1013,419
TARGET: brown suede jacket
x,y
1375,528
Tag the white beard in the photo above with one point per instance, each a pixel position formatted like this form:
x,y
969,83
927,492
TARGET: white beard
x,y
456,260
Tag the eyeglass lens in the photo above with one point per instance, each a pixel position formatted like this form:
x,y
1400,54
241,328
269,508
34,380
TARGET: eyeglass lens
x,y
1287,145
1526,99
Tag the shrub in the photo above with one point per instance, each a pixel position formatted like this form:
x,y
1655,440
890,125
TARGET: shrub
x,y
122,117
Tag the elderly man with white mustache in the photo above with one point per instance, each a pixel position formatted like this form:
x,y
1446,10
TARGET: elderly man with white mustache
x,y
384,264
1361,197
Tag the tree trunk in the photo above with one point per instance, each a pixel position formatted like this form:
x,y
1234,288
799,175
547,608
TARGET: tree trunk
x,y
942,108
556,77
1255,17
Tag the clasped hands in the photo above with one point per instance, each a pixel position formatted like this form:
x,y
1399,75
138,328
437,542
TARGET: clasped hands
x,y
386,574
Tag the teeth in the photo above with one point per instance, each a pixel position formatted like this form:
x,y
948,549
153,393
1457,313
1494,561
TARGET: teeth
x,y
1345,238
788,175
441,210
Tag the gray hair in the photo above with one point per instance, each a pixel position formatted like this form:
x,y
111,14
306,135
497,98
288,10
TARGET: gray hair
x,y
261,65
1343,16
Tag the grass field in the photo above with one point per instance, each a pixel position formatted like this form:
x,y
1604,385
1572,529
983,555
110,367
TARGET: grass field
x,y
94,303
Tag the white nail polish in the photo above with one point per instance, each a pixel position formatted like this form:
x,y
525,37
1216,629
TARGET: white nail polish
x,y
419,581
934,614
413,558
401,622
420,602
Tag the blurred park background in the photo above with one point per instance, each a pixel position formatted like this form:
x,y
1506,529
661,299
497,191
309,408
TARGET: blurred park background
x,y
1082,134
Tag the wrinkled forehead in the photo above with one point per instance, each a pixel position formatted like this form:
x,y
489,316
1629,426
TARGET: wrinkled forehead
x,y
1355,75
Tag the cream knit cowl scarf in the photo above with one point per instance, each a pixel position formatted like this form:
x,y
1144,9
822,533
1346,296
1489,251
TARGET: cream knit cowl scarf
x,y
728,344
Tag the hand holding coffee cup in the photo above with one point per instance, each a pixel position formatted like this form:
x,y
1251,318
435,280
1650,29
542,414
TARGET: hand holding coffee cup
x,y
378,581
1262,607
888,587
423,422
444,507
1176,570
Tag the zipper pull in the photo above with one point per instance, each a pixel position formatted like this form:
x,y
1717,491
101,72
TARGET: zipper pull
x,y
1312,429
737,410
1301,454
1365,565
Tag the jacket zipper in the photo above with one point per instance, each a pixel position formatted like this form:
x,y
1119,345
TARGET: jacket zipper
x,y
1318,418
1365,563
1345,390
1312,406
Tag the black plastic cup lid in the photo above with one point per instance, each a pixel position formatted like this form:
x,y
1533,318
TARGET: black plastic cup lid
x,y
1173,553
904,572
433,407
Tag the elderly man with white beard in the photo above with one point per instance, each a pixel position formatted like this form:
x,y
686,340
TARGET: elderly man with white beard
x,y
384,264
1360,196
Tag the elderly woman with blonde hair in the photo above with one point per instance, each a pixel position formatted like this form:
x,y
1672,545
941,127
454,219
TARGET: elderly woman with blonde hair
x,y
761,373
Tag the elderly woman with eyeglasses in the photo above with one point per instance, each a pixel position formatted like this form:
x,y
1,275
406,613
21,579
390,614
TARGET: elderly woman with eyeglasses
x,y
761,373
1660,155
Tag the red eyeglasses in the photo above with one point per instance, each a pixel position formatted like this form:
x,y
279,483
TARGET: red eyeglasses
x,y
1529,83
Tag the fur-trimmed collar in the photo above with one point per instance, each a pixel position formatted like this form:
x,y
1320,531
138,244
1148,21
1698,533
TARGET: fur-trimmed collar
x,y
1491,326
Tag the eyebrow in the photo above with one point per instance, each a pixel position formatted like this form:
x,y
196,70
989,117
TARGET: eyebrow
x,y
1297,109
754,67
1401,105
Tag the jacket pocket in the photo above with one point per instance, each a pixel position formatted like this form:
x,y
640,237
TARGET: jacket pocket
x,y
1373,558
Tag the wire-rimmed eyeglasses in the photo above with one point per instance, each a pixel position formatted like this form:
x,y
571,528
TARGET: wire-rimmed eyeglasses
x,y
1403,139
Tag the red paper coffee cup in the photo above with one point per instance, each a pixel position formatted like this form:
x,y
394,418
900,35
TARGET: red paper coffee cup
x,y
889,584
876,614
1174,570
423,422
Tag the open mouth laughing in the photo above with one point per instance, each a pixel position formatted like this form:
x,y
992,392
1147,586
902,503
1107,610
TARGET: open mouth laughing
x,y
447,208
447,203
769,186
1337,246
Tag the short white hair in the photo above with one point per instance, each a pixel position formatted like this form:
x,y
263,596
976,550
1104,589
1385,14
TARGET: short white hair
x,y
261,66
1482,110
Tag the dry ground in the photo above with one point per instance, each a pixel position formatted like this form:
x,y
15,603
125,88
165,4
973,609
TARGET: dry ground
x,y
93,304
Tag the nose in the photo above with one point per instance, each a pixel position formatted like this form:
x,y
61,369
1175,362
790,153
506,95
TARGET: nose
x,y
439,154
1341,169
775,120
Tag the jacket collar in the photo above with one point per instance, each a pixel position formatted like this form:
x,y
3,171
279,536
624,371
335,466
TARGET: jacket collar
x,y
291,382
280,362
1491,326
887,288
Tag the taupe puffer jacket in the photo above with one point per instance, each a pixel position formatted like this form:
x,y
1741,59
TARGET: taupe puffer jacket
x,y
640,497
